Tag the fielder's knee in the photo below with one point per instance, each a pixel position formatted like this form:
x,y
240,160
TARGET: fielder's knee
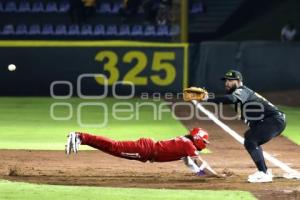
x,y
250,145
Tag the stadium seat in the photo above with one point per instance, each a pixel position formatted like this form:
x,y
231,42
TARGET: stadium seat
x,y
21,29
124,30
99,29
162,30
64,6
112,30
74,30
8,30
47,29
34,29
24,6
175,30
104,8
37,7
10,6
51,7
137,30
197,8
61,29
116,7
86,29
149,30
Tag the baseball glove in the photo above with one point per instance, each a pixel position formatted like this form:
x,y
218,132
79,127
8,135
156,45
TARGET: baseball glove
x,y
195,93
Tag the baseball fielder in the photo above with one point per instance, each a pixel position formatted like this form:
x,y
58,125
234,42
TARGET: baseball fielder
x,y
264,119
145,149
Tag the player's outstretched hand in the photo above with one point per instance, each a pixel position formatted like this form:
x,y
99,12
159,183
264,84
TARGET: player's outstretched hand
x,y
201,173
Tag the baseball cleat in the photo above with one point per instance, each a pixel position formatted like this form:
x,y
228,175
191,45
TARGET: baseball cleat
x,y
73,143
261,177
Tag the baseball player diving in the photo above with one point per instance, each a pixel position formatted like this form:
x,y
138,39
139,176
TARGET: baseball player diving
x,y
145,149
264,119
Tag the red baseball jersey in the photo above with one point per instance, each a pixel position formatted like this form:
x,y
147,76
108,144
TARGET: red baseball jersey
x,y
174,149
143,149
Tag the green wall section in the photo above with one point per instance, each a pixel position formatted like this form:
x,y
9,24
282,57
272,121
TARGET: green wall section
x,y
149,67
274,64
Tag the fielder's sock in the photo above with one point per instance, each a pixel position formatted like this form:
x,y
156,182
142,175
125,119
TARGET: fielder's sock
x,y
258,158
261,166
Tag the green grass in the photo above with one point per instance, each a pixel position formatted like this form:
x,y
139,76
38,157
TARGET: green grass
x,y
26,122
12,190
292,130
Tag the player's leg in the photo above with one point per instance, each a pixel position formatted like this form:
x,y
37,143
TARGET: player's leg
x,y
112,147
134,150
259,135
255,151
142,149
271,127
255,137
98,142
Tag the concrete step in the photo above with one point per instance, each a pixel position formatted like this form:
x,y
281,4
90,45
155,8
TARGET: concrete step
x,y
218,11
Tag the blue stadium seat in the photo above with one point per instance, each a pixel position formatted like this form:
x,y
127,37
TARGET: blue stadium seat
x,y
64,6
51,7
1,7
10,6
74,30
86,29
34,29
197,8
8,30
149,30
61,29
104,8
116,7
99,29
162,30
47,29
124,30
21,29
137,30
175,30
24,6
112,30
37,7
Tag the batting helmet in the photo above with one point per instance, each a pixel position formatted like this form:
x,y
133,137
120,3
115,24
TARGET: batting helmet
x,y
200,138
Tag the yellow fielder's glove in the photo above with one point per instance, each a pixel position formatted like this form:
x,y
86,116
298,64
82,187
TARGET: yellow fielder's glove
x,y
195,93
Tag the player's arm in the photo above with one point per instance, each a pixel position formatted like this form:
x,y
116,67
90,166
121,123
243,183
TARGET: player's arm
x,y
239,95
225,99
204,166
199,166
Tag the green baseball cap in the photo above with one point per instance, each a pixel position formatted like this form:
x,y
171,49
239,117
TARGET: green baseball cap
x,y
232,75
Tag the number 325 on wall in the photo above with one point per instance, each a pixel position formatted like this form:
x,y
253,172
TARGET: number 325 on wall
x,y
162,61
